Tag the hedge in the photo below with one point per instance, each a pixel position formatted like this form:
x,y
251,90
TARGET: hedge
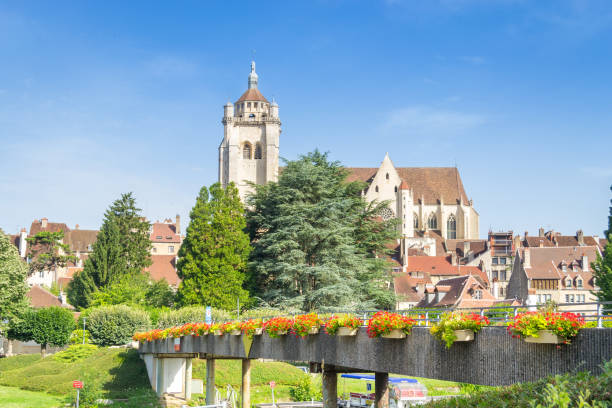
x,y
115,325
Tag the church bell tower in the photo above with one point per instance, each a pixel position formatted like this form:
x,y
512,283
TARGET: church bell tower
x,y
251,133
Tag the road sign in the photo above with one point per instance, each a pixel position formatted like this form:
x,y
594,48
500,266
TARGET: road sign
x,y
272,384
208,315
77,384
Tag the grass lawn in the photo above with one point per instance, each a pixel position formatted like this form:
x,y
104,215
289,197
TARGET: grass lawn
x,y
118,372
15,398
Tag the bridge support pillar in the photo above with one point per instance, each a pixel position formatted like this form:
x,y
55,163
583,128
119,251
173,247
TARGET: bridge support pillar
x,y
187,381
210,381
330,387
246,383
381,389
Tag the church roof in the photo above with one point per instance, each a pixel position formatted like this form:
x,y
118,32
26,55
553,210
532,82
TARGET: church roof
x,y
429,183
252,94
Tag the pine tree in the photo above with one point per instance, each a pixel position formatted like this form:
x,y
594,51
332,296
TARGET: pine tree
x,y
13,286
316,241
213,256
602,267
121,248
48,252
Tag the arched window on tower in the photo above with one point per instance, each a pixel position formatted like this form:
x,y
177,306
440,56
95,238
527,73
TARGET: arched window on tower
x,y
415,220
451,227
432,222
387,176
246,151
258,153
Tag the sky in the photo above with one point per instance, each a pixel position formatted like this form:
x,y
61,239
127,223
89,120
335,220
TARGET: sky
x,y
99,98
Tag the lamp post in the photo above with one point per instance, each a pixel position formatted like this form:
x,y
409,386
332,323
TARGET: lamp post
x,y
84,318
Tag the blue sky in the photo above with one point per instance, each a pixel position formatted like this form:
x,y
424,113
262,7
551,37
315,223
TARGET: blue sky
x,y
100,98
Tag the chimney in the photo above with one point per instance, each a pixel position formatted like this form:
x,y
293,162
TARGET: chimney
x,y
526,258
62,298
43,222
526,234
76,227
178,224
580,237
23,244
454,259
541,232
585,263
466,247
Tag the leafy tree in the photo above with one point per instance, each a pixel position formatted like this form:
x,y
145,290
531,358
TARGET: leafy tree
x,y
48,252
51,325
13,289
213,256
602,267
135,290
317,243
122,248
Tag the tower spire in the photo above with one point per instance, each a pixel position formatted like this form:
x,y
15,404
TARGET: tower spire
x,y
253,78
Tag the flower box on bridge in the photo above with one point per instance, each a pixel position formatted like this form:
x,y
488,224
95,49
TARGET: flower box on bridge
x,y
395,334
464,335
545,337
347,331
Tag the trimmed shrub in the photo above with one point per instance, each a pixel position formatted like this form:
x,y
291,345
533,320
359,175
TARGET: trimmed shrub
x,y
51,326
115,325
75,352
189,314
76,337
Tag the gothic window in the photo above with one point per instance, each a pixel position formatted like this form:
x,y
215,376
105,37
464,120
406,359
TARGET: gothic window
x,y
415,220
386,214
396,189
258,154
376,189
246,151
432,222
451,227
387,176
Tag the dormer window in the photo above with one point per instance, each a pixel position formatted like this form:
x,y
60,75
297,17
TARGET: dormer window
x,y
579,283
158,237
477,294
568,283
564,267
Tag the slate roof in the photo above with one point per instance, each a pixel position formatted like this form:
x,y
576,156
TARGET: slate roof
x,y
429,183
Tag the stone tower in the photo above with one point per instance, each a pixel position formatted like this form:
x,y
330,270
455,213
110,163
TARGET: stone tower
x,y
249,150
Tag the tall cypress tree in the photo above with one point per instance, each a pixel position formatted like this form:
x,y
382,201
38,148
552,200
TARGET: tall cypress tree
x,y
122,248
316,242
213,256
602,267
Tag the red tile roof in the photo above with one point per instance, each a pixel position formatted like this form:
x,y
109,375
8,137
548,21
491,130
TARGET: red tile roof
x,y
252,94
164,267
163,232
40,297
36,227
545,263
81,240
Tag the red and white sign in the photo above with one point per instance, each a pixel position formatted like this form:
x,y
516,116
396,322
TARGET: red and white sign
x,y
272,384
177,344
77,384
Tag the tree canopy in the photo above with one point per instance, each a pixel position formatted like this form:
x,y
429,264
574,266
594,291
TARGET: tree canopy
x,y
51,325
317,244
602,267
122,248
13,286
213,257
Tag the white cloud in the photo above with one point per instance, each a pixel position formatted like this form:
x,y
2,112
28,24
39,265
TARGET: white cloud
x,y
427,121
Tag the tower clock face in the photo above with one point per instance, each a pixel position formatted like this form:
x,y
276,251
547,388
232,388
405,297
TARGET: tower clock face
x,y
386,214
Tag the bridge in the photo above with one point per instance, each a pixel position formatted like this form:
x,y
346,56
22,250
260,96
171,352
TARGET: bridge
x,y
493,358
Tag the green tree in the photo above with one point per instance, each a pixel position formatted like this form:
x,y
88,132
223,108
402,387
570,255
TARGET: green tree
x,y
602,267
137,290
51,326
13,287
48,252
122,248
213,256
317,243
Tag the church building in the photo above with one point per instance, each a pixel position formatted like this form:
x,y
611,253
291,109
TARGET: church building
x,y
430,201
